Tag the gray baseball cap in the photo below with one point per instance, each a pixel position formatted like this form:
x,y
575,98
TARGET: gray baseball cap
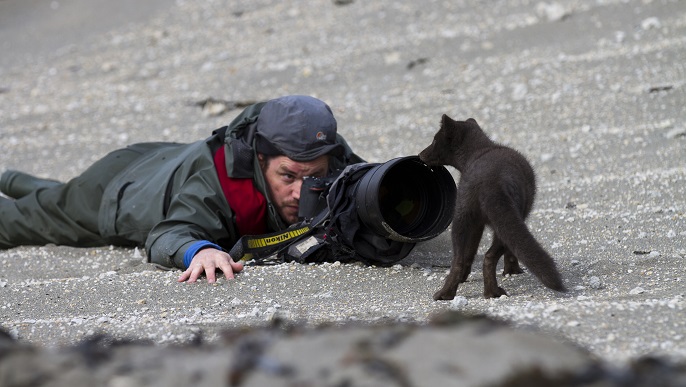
x,y
297,126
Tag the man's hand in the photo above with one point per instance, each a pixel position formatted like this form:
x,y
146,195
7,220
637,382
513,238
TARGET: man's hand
x,y
208,260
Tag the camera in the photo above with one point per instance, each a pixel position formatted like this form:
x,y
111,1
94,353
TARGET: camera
x,y
381,210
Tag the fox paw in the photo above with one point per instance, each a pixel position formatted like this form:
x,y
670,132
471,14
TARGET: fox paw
x,y
444,295
495,293
512,270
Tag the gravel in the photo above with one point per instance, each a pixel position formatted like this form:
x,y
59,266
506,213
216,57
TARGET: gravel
x,y
592,92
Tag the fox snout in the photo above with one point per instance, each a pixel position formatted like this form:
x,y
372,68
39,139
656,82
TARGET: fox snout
x,y
427,155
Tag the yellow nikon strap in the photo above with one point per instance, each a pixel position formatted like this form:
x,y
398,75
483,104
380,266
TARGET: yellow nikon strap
x,y
259,246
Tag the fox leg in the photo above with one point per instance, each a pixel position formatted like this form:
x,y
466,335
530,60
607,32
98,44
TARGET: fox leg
x,y
466,238
511,264
491,288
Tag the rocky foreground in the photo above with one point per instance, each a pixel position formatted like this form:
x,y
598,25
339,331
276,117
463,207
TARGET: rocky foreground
x,y
452,350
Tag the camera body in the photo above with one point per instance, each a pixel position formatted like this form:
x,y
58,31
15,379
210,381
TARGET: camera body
x,y
313,194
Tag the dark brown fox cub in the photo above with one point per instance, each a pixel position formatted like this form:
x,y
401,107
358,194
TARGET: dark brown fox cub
x,y
496,188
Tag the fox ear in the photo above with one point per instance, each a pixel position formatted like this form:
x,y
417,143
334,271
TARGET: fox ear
x,y
447,130
448,124
472,123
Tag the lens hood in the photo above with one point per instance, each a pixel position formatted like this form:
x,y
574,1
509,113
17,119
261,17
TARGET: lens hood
x,y
406,200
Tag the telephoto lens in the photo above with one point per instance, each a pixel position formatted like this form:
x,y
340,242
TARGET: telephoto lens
x,y
406,200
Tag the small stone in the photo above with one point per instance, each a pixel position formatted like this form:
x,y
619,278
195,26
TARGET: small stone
x,y
637,290
552,308
519,92
458,302
552,11
77,321
137,254
676,132
650,23
595,283
214,108
103,320
620,36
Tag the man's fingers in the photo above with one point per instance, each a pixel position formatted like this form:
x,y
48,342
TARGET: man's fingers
x,y
197,272
192,274
236,266
184,276
231,268
228,269
210,273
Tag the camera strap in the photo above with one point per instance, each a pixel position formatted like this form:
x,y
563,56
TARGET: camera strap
x,y
261,247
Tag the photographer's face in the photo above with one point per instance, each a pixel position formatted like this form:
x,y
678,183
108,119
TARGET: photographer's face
x,y
284,178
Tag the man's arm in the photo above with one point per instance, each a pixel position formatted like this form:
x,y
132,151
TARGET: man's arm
x,y
197,221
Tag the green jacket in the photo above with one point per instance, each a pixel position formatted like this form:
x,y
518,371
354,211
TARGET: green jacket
x,y
171,196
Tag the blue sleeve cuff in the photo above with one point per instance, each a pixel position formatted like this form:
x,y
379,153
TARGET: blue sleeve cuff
x,y
194,248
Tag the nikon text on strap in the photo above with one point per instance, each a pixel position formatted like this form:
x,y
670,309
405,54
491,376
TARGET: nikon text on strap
x,y
260,247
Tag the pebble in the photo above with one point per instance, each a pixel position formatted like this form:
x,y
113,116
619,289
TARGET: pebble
x,y
458,302
136,254
675,133
551,11
103,320
637,290
519,92
651,23
595,283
